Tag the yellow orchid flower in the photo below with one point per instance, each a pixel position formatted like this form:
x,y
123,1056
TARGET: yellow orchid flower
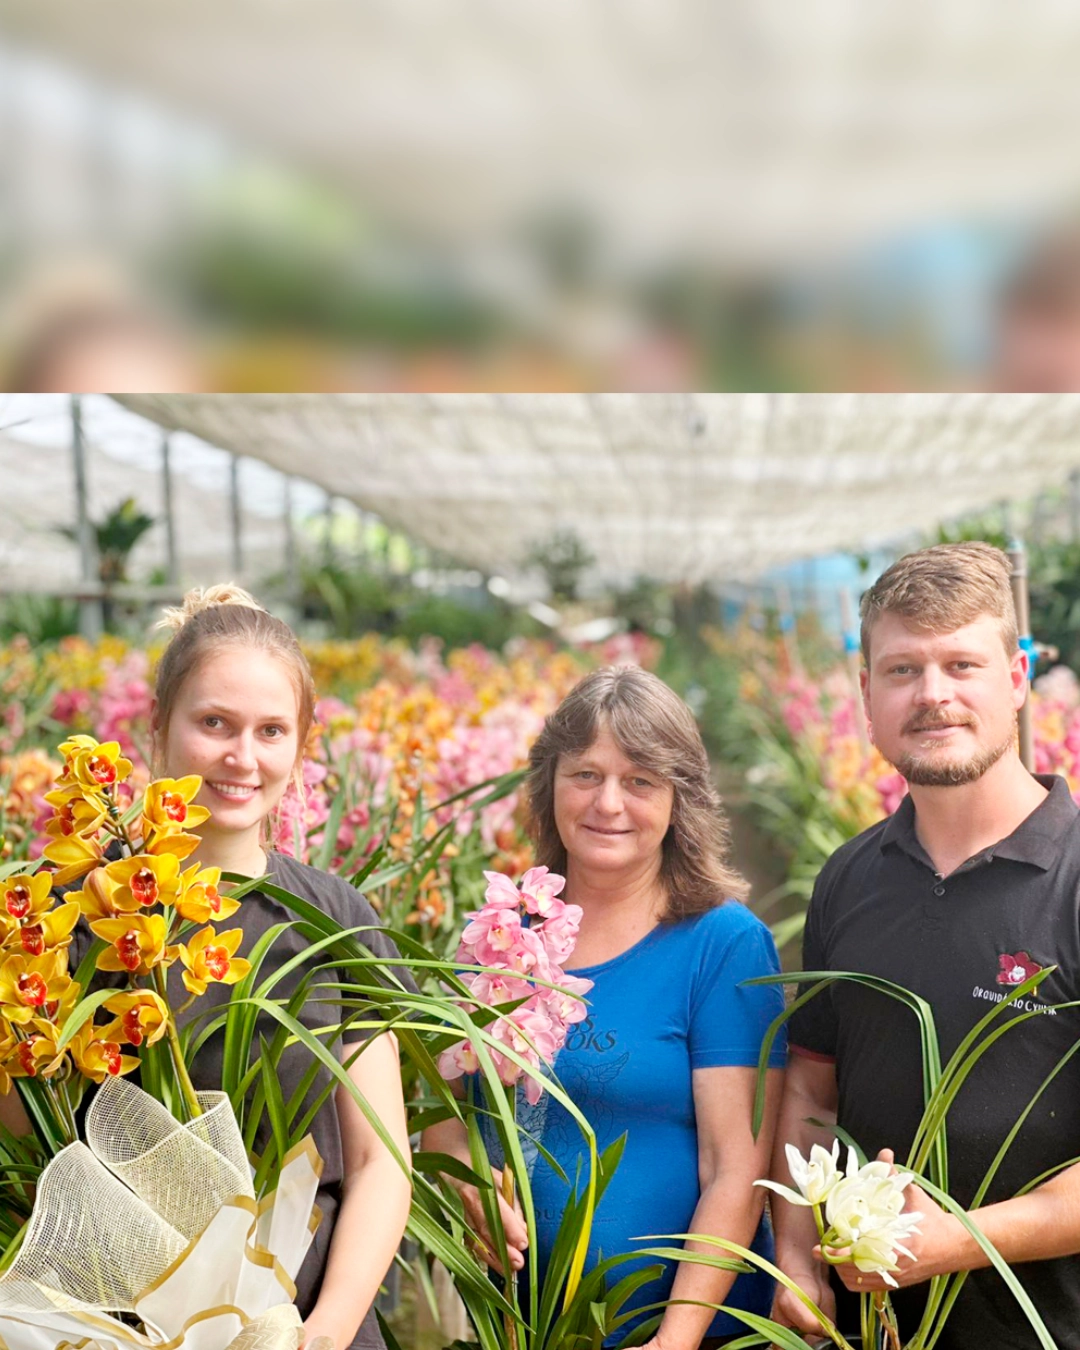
x,y
8,1044
74,812
74,857
25,897
201,900
167,806
95,899
137,944
99,767
209,958
37,1054
29,985
178,846
137,883
140,1015
97,1057
48,932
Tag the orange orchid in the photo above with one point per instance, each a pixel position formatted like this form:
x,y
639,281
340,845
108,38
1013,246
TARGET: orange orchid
x,y
210,958
167,808
140,1016
97,1057
178,846
137,883
8,1044
137,943
74,857
95,899
201,900
29,985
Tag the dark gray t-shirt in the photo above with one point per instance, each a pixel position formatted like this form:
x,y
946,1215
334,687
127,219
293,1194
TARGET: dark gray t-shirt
x,y
258,913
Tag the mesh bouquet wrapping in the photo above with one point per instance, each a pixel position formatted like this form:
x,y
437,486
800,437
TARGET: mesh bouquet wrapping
x,y
155,1222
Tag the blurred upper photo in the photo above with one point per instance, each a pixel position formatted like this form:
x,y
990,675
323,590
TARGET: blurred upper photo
x,y
659,195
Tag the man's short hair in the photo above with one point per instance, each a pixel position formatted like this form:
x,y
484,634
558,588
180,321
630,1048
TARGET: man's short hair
x,y
944,588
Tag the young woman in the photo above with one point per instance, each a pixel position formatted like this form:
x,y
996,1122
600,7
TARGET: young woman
x,y
234,702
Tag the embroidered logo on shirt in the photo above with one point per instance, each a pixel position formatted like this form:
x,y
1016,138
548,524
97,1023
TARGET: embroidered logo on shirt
x,y
1016,969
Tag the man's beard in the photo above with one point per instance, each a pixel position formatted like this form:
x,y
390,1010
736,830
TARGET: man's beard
x,y
926,771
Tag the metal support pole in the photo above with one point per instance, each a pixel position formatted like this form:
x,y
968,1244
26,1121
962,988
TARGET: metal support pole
x,y
172,567
234,502
1018,558
90,617
292,576
1074,505
328,538
788,632
853,659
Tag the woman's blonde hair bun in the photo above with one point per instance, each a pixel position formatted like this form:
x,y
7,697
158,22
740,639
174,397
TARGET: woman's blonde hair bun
x,y
201,598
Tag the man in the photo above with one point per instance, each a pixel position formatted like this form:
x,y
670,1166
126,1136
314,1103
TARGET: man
x,y
971,886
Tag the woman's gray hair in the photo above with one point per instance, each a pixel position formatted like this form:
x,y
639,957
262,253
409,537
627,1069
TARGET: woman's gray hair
x,y
655,729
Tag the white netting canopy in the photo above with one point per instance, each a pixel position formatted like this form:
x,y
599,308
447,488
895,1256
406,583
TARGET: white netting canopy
x,y
678,487
751,131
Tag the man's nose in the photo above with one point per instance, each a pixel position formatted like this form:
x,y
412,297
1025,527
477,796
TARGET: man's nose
x,y
932,686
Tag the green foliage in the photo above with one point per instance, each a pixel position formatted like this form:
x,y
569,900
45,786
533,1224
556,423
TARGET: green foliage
x,y
1054,589
115,535
563,558
38,618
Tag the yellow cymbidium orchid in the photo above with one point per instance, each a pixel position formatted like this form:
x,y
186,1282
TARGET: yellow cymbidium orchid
x,y
74,812
200,900
36,1055
96,1056
137,883
74,857
167,806
139,1016
25,898
97,767
137,943
30,985
43,933
209,958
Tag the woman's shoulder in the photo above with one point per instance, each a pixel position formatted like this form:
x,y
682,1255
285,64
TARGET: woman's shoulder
x,y
727,919
730,931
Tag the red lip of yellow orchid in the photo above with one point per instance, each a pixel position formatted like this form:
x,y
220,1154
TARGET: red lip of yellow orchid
x,y
134,884
141,1016
210,958
137,944
167,806
29,985
97,1057
201,901
74,856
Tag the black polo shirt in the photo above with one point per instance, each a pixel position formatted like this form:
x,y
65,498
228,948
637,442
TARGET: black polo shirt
x,y
960,942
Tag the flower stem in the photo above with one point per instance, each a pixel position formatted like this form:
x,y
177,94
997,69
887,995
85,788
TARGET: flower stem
x,y
888,1321
187,1088
508,1196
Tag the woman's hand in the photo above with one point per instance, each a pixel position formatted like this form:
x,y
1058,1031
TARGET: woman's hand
x,y
517,1235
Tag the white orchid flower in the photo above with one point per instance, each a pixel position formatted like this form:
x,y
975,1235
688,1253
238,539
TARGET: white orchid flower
x,y
815,1177
866,1216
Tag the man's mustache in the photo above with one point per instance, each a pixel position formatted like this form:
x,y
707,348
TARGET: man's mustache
x,y
935,722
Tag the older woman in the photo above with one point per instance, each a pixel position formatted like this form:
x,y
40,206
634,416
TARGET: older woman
x,y
622,803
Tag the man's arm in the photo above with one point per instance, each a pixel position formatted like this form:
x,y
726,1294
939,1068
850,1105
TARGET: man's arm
x,y
809,1093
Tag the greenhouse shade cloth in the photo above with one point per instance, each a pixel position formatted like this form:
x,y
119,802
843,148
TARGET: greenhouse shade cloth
x,y
702,487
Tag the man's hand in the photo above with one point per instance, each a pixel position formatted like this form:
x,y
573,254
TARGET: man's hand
x,y
790,1311
934,1248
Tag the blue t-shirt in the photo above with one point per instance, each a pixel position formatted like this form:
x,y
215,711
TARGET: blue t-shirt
x,y
669,1005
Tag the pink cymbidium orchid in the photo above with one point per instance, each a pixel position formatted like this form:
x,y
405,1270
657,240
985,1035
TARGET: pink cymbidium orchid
x,y
521,954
